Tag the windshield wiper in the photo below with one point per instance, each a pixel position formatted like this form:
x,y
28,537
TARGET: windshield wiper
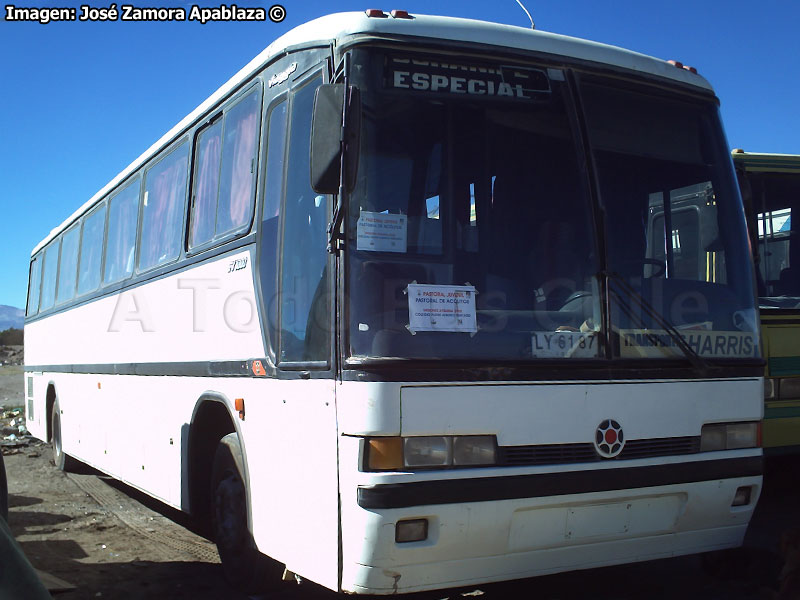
x,y
700,364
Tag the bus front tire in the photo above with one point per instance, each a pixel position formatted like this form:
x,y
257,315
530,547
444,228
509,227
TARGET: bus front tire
x,y
62,461
243,565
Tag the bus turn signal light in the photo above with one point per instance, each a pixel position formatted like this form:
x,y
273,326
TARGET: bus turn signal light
x,y
238,404
385,454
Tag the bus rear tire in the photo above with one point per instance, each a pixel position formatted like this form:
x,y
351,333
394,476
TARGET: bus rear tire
x,y
62,461
243,565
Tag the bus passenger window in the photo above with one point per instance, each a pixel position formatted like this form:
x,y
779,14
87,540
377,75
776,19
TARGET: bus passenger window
x,y
238,175
34,285
49,277
162,212
68,265
206,184
121,242
225,172
91,250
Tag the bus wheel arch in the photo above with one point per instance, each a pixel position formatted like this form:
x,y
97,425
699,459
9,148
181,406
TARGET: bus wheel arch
x,y
211,421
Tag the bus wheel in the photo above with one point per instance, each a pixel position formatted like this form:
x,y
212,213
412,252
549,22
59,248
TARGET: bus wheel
x,y
62,461
244,566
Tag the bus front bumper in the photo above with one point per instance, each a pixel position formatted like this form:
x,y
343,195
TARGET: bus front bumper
x,y
536,524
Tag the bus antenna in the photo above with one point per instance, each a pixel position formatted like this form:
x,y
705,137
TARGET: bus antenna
x,y
522,6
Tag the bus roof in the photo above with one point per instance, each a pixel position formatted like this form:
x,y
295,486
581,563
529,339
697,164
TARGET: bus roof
x,y
341,28
763,162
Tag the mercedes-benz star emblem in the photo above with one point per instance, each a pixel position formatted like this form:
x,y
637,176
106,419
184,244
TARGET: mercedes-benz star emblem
x,y
608,439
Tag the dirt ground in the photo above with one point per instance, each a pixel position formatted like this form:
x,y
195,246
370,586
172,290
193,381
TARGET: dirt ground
x,y
108,541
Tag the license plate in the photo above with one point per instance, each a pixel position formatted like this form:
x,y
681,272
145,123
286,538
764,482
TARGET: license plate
x,y
563,344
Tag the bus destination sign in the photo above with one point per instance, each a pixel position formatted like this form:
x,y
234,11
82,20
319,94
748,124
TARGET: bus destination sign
x,y
467,80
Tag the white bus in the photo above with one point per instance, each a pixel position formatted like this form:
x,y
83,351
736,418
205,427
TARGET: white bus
x,y
392,303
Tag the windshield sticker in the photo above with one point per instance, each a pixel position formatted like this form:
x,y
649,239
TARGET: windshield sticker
x,y
655,343
564,344
441,308
380,232
469,80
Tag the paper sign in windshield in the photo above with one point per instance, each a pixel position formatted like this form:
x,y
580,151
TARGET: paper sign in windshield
x,y
381,232
441,308
563,344
638,343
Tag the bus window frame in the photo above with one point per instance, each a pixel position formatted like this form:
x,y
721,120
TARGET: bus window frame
x,y
120,283
143,172
220,113
301,368
102,205
39,256
55,242
270,337
76,226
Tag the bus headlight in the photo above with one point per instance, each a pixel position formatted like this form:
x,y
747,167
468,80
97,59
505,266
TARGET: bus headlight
x,y
729,436
474,450
789,388
432,451
781,388
394,453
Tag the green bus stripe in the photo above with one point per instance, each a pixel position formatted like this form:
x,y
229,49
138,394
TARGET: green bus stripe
x,y
784,365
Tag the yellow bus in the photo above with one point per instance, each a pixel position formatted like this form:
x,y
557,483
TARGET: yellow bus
x,y
770,185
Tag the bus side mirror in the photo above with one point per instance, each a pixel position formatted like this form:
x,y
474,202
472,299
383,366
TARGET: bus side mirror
x,y
327,133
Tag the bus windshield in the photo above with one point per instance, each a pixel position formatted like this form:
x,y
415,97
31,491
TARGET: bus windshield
x,y
775,196
474,231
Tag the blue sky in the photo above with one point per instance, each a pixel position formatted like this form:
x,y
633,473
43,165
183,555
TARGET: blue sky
x,y
79,101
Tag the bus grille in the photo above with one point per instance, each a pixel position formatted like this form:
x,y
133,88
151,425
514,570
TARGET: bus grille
x,y
559,454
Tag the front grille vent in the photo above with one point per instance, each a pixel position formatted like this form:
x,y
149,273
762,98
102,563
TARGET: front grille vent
x,y
560,454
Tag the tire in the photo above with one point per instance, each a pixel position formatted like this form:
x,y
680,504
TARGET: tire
x,y
243,565
62,461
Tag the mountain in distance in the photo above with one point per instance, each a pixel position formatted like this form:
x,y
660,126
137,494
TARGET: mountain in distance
x,y
11,317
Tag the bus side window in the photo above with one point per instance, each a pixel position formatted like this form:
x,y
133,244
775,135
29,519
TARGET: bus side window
x,y
162,208
304,295
206,184
91,251
34,285
121,239
68,265
50,274
225,172
238,175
